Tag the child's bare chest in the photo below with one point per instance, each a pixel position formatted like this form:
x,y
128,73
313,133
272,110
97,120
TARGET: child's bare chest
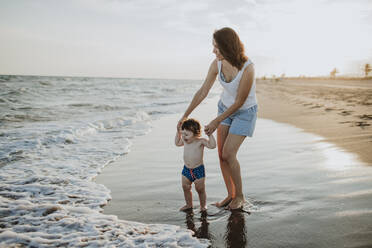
x,y
193,147
193,154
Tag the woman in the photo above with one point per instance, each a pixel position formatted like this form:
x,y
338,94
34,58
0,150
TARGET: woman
x,y
237,108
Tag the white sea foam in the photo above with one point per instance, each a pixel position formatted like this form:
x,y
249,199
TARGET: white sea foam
x,y
40,224
55,137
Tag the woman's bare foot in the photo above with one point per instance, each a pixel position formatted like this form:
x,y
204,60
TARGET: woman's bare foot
x,y
186,208
203,209
224,202
236,203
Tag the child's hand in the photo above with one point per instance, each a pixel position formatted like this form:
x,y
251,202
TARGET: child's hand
x,y
179,124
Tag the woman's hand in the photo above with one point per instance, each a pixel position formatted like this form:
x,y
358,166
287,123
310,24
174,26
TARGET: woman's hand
x,y
179,124
211,127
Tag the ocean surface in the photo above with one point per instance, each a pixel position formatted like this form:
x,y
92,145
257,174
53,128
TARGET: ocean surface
x,y
56,135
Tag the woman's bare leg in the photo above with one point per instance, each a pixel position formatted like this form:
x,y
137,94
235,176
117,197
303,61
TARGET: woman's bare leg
x,y
222,133
229,152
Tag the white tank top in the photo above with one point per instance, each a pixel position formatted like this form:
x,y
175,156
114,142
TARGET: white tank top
x,y
230,90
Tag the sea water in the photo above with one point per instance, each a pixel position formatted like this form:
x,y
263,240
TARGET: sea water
x,y
56,135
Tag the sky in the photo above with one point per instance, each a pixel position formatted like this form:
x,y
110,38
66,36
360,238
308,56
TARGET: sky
x,y
173,38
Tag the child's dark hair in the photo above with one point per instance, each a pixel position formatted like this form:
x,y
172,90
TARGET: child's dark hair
x,y
191,125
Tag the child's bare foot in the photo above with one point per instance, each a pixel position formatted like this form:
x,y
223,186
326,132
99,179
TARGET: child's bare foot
x,y
186,208
203,209
224,202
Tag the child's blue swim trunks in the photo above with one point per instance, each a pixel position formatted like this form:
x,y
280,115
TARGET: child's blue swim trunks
x,y
193,174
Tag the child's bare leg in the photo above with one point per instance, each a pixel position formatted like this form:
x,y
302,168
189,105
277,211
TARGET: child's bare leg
x,y
200,188
186,186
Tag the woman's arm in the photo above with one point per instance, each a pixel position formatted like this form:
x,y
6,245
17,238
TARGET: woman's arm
x,y
202,93
244,88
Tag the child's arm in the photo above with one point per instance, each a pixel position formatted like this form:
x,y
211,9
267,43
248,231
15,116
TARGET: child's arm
x,y
178,140
210,143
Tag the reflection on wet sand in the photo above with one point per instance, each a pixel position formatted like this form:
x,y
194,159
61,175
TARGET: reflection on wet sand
x,y
235,235
236,231
202,231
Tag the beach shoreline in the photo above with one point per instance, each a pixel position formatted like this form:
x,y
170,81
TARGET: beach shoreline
x,y
298,185
338,110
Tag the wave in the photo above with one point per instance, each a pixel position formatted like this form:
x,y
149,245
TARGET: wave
x,y
59,134
23,118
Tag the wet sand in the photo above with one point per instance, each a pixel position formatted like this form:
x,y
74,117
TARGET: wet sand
x,y
339,110
303,191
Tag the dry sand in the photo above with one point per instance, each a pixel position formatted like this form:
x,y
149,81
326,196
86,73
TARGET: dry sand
x,y
339,110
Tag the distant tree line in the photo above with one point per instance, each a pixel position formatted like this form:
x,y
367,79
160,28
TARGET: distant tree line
x,y
367,69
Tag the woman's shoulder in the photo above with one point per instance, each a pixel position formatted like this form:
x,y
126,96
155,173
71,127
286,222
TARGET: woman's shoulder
x,y
248,66
248,70
215,62
214,66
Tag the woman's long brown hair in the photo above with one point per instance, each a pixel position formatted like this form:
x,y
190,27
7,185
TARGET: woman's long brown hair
x,y
230,46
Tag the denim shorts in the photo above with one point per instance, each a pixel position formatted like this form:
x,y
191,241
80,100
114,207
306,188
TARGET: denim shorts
x,y
242,122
